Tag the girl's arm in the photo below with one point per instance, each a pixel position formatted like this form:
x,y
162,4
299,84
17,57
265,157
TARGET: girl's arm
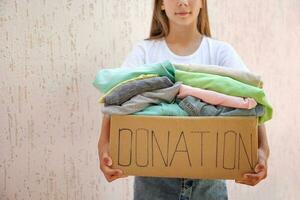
x,y
263,145
104,134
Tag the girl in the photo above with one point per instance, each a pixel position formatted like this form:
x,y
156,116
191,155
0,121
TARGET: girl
x,y
180,33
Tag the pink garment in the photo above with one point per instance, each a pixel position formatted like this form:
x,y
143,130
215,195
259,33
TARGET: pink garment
x,y
216,98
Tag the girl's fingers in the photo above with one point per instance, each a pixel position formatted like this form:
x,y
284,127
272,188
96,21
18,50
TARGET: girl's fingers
x,y
106,158
259,167
105,166
259,175
249,181
107,170
111,178
115,176
252,178
107,161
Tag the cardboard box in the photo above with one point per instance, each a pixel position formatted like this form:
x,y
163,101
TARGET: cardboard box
x,y
185,147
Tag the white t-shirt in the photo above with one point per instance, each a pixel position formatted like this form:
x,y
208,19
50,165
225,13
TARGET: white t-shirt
x,y
209,52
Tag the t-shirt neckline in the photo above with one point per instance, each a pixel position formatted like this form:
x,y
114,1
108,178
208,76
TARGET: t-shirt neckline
x,y
187,56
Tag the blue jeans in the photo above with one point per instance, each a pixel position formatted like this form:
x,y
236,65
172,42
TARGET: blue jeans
x,y
160,188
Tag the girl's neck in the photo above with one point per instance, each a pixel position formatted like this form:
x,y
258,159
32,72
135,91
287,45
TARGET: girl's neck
x,y
183,34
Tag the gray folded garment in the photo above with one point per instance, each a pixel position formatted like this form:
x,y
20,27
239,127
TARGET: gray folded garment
x,y
195,107
124,92
143,100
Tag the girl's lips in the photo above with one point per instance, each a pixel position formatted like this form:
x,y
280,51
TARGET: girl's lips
x,y
183,13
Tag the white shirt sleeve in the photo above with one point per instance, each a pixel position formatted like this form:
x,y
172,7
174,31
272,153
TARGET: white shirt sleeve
x,y
228,57
136,57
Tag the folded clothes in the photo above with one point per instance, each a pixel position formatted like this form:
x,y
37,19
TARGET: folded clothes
x,y
216,98
226,85
240,75
143,100
140,77
126,91
108,78
163,109
196,107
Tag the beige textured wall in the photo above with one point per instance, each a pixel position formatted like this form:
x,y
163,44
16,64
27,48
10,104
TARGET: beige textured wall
x,y
50,52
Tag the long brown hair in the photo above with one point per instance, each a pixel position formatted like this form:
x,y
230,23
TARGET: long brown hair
x,y
160,21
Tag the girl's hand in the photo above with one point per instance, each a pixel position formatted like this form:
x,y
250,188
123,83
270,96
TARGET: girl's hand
x,y
105,165
104,158
261,170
